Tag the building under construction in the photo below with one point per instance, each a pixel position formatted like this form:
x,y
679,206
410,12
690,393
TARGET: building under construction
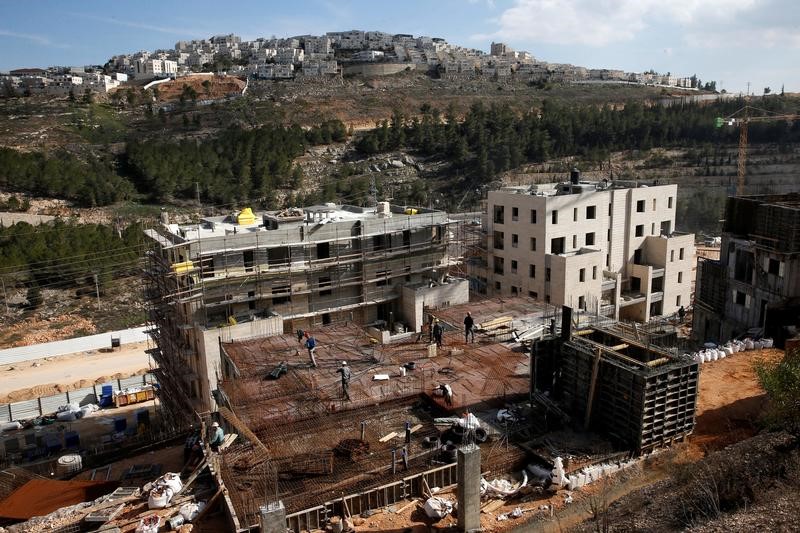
x,y
248,275
307,442
754,287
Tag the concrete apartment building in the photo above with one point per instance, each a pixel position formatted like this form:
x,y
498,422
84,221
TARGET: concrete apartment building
x,y
604,247
755,285
245,275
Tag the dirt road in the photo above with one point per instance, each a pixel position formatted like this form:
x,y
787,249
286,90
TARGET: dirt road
x,y
26,381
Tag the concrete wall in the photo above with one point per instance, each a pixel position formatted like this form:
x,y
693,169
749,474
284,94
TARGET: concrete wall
x,y
376,69
414,300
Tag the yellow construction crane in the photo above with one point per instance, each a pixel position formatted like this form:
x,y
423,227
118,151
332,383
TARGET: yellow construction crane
x,y
742,122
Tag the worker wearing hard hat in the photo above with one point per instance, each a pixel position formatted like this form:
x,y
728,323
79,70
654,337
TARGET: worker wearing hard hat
x,y
217,436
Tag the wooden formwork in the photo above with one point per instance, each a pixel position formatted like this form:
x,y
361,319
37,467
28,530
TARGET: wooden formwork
x,y
642,406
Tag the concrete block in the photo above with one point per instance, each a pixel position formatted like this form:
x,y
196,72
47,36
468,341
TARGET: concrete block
x,y
468,469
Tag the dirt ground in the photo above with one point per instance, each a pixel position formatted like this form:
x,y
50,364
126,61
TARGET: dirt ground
x,y
219,87
43,377
729,403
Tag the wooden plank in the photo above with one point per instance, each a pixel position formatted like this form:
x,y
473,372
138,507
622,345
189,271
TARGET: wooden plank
x,y
416,428
493,505
390,436
194,475
406,506
228,440
620,346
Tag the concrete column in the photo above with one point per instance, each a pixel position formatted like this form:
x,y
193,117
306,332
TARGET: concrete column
x,y
469,488
272,517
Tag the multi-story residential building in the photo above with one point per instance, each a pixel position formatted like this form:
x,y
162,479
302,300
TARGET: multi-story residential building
x,y
155,68
317,45
500,49
249,275
605,247
755,285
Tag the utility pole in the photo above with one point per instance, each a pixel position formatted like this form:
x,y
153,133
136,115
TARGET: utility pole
x,y
97,290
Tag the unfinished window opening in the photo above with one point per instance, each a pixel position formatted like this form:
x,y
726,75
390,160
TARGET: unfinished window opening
x,y
514,240
657,284
637,257
531,271
666,228
383,277
739,298
582,303
207,267
281,294
251,300
774,267
678,300
557,246
554,217
513,266
640,206
743,268
582,275
636,284
326,319
498,240
249,260
680,277
499,265
514,291
669,202
533,294
381,242
533,244
278,256
575,214
323,250
590,239
499,214
640,230
594,272
680,254
407,238
591,212
497,286
533,216
514,214
325,286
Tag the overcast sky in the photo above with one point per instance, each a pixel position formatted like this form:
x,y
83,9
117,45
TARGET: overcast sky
x,y
729,41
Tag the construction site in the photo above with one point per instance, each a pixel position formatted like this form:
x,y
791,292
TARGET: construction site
x,y
361,385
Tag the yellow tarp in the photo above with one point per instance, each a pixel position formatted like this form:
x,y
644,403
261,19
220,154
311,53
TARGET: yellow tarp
x,y
246,217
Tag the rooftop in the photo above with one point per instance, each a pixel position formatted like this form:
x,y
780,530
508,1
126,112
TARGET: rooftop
x,y
579,187
249,221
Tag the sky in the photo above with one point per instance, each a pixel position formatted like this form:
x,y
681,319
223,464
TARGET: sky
x,y
732,42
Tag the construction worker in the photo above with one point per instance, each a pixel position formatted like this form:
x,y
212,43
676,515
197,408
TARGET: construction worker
x,y
438,331
300,335
345,372
469,328
311,344
681,314
447,392
217,436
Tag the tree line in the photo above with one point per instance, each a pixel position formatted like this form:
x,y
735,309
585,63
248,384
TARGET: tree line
x,y
236,165
492,139
62,175
65,254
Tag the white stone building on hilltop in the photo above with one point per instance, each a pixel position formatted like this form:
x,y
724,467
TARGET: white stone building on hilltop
x,y
604,247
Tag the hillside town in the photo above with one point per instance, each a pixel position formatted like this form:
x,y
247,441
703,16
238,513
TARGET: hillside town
x,y
354,52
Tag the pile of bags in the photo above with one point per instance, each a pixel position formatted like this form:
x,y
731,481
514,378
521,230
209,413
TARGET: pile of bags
x,y
163,489
73,411
712,352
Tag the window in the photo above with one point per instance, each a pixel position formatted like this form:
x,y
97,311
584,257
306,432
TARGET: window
x,y
575,214
557,245
640,206
608,260
533,244
671,256
324,286
498,240
680,277
653,228
678,300
513,266
609,209
594,272
608,235
497,285
499,214
248,256
582,303
531,271
514,240
582,275
383,277
669,202
498,265
590,239
514,214
533,216
554,217
774,267
640,230
547,274
654,204
590,212
574,241
533,294
740,298
680,254
514,291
